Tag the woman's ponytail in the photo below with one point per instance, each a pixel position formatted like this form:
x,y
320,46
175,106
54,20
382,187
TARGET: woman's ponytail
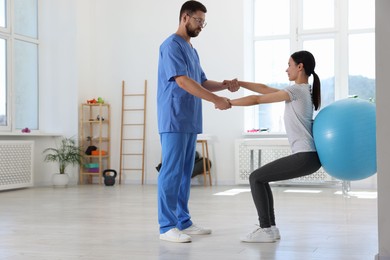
x,y
316,92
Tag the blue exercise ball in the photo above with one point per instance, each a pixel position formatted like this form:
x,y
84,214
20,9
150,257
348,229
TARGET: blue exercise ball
x,y
345,137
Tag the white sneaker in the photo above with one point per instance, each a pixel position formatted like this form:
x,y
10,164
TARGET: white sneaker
x,y
196,230
275,232
260,235
176,236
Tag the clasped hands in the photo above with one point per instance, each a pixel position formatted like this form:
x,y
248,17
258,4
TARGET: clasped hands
x,y
223,103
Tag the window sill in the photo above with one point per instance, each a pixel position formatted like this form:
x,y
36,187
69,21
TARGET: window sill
x,y
32,134
264,135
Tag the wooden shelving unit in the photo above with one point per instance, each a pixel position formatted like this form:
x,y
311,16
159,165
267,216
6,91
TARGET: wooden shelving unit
x,y
94,132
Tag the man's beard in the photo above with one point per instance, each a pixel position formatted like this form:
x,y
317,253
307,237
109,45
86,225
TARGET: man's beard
x,y
192,32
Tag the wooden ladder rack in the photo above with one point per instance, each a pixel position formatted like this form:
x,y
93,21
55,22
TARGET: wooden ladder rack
x,y
130,138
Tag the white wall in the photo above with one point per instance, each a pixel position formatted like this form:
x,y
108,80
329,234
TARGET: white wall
x,y
383,125
58,67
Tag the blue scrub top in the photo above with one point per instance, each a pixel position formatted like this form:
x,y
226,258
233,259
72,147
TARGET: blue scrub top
x,y
178,111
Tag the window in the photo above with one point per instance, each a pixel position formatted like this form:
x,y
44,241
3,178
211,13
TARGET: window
x,y
18,64
342,43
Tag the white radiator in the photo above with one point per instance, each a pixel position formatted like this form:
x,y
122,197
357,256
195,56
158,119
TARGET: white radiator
x,y
253,153
16,164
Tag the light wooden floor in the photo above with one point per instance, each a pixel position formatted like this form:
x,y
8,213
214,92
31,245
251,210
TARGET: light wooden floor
x,y
120,222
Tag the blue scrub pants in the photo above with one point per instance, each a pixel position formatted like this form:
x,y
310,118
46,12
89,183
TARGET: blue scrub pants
x,y
174,180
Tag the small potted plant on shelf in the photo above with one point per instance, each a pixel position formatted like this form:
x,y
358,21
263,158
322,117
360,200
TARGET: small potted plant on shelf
x,y
68,153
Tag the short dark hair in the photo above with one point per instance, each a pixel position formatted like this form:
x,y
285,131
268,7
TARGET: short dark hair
x,y
191,7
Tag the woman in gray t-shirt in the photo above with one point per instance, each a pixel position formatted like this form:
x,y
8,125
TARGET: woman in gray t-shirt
x,y
301,99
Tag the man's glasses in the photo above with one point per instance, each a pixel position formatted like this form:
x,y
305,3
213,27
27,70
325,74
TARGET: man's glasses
x,y
200,21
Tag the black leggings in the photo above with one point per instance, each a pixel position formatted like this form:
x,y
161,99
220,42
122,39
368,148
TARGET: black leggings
x,y
289,167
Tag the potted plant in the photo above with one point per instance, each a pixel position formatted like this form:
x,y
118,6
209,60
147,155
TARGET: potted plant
x,y
68,153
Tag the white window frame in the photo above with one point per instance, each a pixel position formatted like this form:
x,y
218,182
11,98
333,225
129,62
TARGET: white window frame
x,y
10,36
5,35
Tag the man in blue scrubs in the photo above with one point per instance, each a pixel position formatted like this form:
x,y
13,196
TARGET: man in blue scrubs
x,y
182,85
